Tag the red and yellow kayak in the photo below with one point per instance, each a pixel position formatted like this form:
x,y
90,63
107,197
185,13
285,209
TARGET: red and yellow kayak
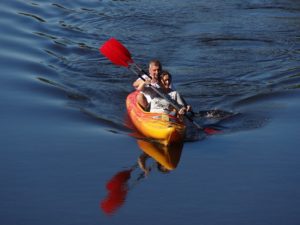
x,y
163,128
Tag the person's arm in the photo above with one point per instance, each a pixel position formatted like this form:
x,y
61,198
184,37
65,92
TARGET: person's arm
x,y
139,81
180,101
141,85
142,163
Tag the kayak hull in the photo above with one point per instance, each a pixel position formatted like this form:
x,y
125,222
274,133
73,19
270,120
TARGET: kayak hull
x,y
163,128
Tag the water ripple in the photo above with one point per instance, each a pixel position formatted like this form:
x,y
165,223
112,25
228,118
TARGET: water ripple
x,y
38,18
226,53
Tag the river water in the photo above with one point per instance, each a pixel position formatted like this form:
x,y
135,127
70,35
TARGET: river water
x,y
64,139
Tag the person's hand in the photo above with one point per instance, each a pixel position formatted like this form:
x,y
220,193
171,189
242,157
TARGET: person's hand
x,y
188,108
182,111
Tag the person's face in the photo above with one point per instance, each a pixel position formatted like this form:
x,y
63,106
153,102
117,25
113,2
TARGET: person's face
x,y
166,81
154,71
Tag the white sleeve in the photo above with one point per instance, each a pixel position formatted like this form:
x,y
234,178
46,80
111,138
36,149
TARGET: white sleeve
x,y
177,98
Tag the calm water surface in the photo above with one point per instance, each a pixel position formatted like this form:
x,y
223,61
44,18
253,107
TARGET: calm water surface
x,y
67,156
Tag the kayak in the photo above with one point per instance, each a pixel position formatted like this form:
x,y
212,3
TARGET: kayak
x,y
163,128
167,156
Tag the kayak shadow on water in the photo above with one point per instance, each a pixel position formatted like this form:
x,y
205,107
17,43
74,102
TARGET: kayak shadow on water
x,y
165,159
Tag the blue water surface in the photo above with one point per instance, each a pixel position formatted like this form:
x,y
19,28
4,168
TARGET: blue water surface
x,y
63,119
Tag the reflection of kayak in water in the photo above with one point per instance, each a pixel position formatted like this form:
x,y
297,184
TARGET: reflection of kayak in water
x,y
163,128
167,156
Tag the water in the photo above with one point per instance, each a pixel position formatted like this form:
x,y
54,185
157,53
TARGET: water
x,y
63,133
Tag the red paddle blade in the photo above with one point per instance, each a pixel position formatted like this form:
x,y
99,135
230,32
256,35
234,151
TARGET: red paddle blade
x,y
116,52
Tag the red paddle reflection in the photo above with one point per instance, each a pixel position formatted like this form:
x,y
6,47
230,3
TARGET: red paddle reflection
x,y
117,190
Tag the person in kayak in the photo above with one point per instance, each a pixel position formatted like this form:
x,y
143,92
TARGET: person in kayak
x,y
159,104
154,70
165,81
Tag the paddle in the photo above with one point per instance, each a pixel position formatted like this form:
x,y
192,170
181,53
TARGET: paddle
x,y
119,55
